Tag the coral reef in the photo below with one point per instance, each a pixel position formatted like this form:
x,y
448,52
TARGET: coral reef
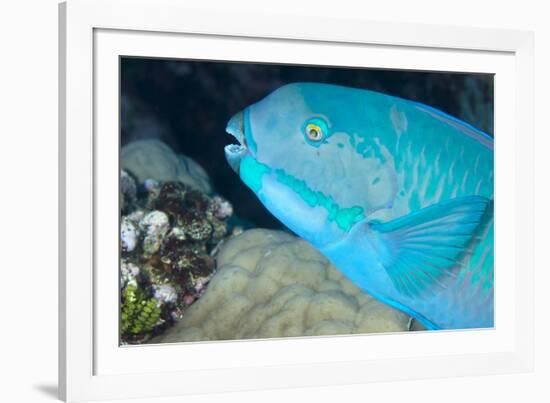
x,y
154,225
183,279
128,191
272,284
129,235
152,159
169,232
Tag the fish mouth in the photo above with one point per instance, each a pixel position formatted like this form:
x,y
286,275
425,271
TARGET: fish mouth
x,y
235,152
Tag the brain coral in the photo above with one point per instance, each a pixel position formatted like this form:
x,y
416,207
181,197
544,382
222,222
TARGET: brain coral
x,y
152,159
272,284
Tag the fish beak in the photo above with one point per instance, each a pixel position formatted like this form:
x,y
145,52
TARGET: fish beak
x,y
235,152
235,127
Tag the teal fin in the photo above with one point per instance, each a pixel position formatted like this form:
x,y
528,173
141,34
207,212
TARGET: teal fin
x,y
420,249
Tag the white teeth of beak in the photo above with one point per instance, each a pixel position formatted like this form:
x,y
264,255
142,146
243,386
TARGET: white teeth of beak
x,y
234,148
235,152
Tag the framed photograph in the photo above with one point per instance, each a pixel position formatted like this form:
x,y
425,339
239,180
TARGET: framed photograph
x,y
256,202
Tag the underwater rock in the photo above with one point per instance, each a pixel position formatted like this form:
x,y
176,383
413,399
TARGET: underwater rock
x,y
165,293
222,209
155,225
128,191
167,246
128,273
129,235
272,284
147,159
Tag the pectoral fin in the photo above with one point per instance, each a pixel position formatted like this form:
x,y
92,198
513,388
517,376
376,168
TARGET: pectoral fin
x,y
421,248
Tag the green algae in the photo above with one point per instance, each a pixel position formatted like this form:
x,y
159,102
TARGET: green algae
x,y
139,314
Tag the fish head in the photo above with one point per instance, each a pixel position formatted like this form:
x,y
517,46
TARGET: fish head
x,y
272,123
296,151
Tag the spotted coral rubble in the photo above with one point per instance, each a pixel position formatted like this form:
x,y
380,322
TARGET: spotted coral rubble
x,y
272,284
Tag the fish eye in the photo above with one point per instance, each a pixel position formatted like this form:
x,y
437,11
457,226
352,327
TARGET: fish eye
x,y
314,132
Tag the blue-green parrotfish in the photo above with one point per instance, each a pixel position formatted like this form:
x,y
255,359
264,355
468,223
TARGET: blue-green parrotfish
x,y
396,194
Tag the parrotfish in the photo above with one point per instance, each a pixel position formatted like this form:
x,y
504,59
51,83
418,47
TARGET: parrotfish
x,y
396,194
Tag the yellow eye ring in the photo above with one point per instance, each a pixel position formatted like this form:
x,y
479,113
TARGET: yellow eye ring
x,y
314,132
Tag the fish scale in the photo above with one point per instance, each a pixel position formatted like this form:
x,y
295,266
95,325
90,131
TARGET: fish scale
x,y
477,273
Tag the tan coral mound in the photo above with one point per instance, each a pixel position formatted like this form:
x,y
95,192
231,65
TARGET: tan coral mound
x,y
152,159
271,284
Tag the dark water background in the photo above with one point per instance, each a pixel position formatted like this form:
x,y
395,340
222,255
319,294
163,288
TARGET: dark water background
x,y
187,105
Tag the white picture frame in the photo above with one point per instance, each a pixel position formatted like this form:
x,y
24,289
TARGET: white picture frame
x,y
94,33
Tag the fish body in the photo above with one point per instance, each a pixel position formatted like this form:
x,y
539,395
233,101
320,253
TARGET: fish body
x,y
396,194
